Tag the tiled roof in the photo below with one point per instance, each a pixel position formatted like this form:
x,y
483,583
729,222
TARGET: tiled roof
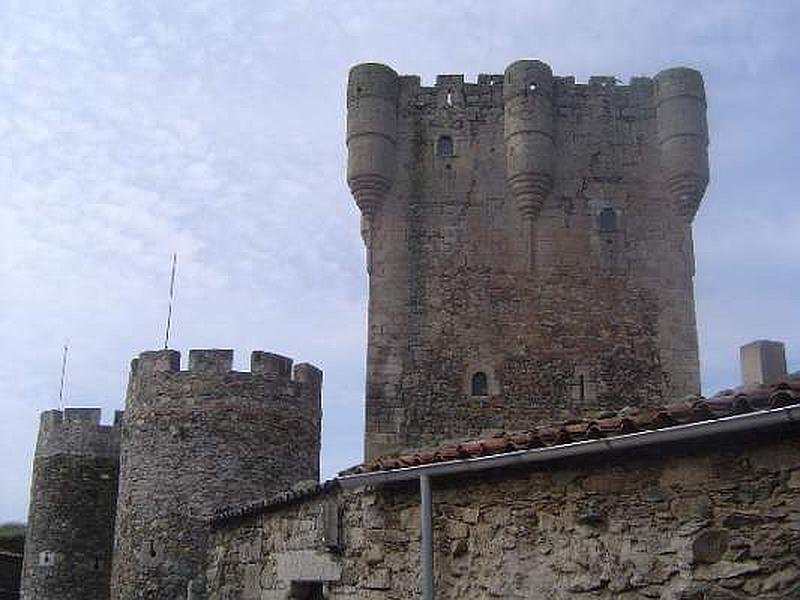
x,y
742,400
298,492
727,403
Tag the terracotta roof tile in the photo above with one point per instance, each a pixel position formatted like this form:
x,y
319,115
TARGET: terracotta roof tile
x,y
726,403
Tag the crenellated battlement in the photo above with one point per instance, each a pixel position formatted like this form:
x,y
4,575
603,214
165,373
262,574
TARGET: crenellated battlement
x,y
217,362
454,91
78,431
449,80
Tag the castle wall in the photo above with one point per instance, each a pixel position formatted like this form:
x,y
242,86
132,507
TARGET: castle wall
x,y
716,520
69,537
529,228
196,441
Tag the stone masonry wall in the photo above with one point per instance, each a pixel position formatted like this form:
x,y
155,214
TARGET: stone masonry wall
x,y
581,303
196,441
719,521
70,533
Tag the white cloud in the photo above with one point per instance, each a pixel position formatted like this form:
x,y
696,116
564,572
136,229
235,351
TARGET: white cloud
x,y
215,129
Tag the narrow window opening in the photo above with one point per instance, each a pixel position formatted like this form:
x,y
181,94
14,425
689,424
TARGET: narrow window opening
x,y
607,220
449,99
96,564
480,384
152,549
444,146
582,391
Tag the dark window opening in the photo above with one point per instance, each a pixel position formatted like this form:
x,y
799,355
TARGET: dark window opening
x,y
444,146
96,564
152,549
480,384
306,590
607,220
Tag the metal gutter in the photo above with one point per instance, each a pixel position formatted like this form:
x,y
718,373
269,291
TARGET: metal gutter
x,y
691,431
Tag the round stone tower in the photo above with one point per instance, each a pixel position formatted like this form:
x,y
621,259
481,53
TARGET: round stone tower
x,y
197,441
70,530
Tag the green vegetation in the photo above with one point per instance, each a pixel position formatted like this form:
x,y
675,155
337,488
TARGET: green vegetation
x,y
12,537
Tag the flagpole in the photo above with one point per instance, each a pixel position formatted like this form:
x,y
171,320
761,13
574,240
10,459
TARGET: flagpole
x,y
171,297
63,377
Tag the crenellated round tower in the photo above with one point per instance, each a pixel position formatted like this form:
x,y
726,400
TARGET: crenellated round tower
x,y
372,95
195,441
528,132
680,101
69,538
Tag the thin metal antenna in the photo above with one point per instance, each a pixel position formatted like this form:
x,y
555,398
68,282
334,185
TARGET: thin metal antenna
x,y
63,377
171,296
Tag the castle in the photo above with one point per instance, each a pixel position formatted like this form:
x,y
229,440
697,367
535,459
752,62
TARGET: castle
x,y
530,267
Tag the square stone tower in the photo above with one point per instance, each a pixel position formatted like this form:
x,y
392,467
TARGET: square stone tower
x,y
529,246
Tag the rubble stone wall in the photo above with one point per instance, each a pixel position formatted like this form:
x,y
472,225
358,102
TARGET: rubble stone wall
x,y
719,521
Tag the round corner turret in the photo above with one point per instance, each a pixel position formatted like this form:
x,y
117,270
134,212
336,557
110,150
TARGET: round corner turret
x,y
373,79
679,81
373,90
528,131
680,101
523,76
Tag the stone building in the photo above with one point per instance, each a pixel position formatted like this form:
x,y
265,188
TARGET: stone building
x,y
695,501
533,421
529,246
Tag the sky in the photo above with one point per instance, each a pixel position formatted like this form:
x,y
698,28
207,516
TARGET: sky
x,y
130,130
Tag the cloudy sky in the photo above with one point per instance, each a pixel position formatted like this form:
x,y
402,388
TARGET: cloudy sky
x,y
215,128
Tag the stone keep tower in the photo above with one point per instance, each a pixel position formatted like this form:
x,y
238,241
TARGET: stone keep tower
x,y
70,531
197,441
529,246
